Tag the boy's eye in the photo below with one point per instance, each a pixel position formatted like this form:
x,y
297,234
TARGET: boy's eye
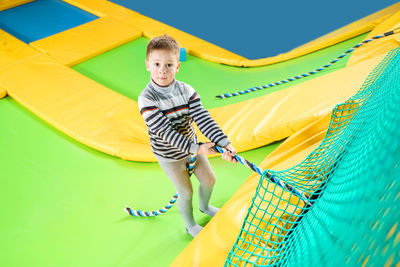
x,y
157,64
169,65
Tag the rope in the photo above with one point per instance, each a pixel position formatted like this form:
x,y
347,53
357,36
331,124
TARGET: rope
x,y
140,213
257,88
191,164
250,165
271,177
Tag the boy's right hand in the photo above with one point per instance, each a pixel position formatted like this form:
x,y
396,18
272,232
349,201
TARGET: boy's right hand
x,y
206,148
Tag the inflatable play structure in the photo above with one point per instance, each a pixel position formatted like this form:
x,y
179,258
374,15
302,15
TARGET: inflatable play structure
x,y
321,123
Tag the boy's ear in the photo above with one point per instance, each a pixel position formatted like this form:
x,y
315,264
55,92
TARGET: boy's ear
x,y
147,65
177,68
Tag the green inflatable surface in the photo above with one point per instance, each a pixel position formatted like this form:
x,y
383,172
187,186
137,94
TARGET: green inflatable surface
x,y
63,202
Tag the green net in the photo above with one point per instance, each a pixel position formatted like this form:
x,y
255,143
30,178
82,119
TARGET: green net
x,y
352,181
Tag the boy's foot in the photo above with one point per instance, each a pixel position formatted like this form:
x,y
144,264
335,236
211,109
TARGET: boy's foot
x,y
211,211
194,230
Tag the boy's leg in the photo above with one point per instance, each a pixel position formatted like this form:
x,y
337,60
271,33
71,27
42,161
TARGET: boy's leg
x,y
206,178
176,171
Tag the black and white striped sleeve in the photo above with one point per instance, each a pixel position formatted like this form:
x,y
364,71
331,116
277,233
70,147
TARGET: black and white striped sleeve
x,y
204,121
159,125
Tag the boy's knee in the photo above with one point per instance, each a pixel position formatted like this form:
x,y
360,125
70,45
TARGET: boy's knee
x,y
209,182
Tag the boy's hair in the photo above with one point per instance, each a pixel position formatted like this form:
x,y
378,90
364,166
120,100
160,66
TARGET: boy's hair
x,y
164,42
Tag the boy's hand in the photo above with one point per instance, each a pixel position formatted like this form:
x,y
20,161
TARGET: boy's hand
x,y
229,154
206,149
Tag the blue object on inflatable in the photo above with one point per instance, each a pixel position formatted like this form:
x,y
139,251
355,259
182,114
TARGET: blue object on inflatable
x,y
182,54
42,18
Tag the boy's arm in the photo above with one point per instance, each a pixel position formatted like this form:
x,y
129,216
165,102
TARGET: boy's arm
x,y
205,122
159,125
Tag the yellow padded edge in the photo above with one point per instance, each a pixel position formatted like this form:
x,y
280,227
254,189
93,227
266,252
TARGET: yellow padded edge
x,y
212,245
3,92
81,108
382,45
88,40
13,50
278,115
6,4
96,7
208,51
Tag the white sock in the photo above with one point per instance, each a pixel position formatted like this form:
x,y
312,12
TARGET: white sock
x,y
211,210
194,230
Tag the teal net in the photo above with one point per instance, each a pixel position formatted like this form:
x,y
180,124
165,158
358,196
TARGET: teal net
x,y
352,181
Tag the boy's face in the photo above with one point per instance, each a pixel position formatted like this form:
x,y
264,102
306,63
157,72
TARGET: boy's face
x,y
163,65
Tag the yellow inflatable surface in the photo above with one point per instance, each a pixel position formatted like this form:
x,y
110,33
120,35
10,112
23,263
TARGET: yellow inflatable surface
x,y
3,92
392,22
71,47
13,50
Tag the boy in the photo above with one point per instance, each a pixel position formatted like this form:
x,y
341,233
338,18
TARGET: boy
x,y
168,108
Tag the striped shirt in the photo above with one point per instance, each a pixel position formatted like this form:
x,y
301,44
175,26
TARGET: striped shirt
x,y
169,113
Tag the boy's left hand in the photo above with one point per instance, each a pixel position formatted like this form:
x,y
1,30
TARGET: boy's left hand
x,y
229,154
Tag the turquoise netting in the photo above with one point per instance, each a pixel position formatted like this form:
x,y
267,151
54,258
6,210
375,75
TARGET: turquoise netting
x,y
353,180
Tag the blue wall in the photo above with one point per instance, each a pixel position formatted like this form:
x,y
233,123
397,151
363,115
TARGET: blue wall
x,y
256,29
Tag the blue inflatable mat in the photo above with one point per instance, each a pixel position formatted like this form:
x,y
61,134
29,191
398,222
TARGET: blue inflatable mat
x,y
42,18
